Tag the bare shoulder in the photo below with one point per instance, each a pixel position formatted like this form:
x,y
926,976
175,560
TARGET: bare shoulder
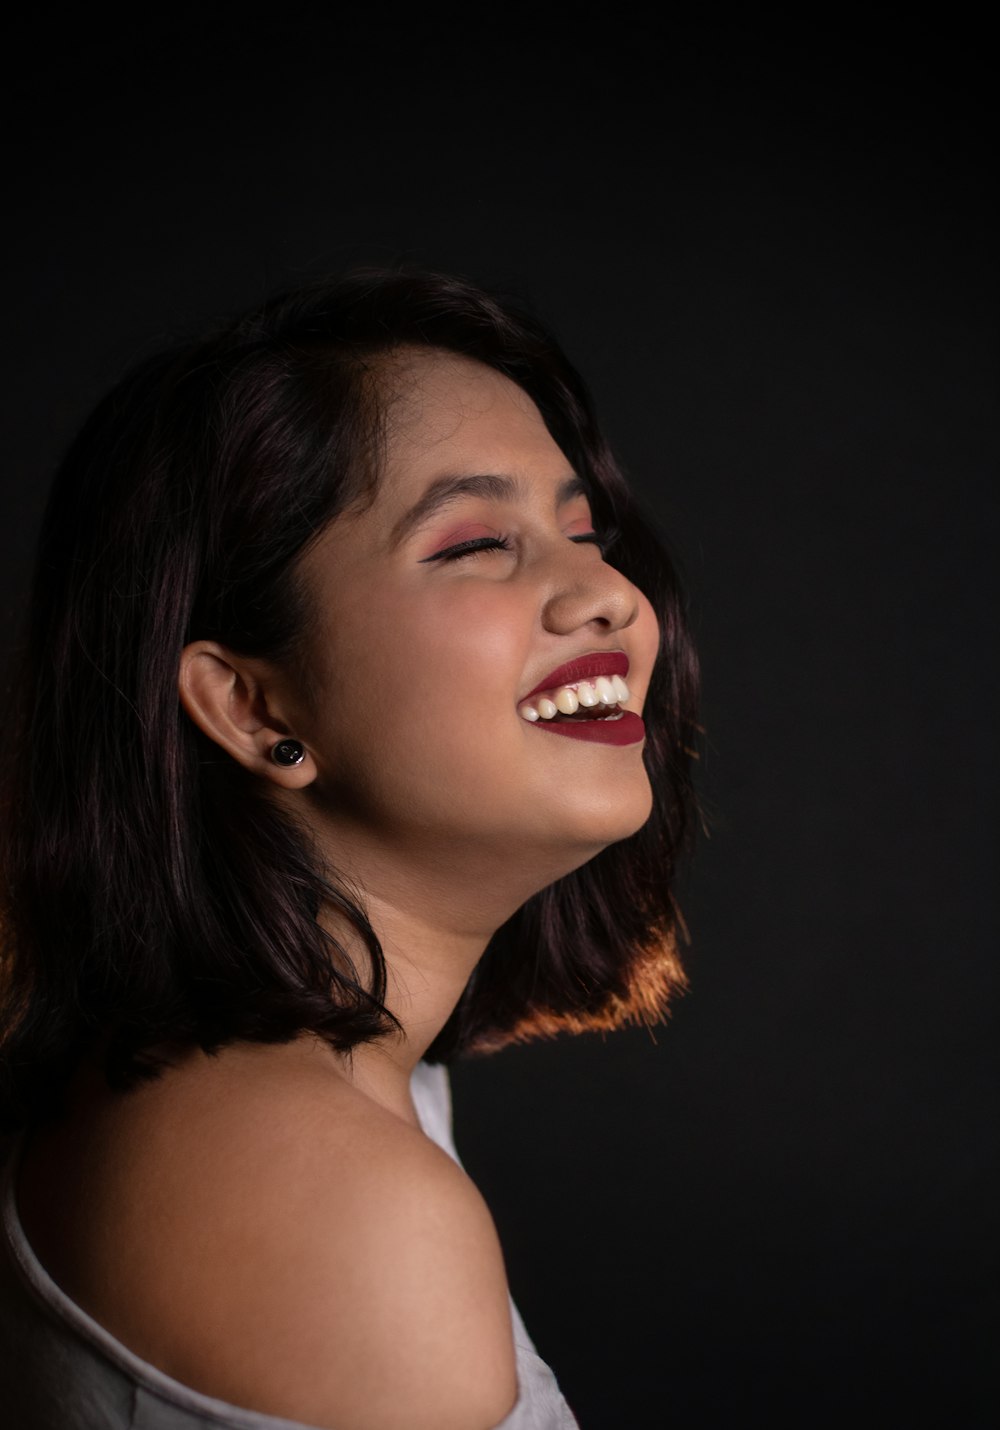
x,y
286,1245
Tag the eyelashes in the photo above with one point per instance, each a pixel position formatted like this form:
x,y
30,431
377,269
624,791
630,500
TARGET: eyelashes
x,y
469,548
605,539
602,539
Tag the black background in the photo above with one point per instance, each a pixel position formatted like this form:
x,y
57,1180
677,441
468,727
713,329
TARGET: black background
x,y
767,249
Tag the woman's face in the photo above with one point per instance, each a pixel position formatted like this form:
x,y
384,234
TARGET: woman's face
x,y
422,649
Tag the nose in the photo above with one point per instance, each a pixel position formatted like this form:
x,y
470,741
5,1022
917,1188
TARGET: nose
x,y
586,591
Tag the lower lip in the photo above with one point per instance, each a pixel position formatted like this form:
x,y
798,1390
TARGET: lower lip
x,y
626,731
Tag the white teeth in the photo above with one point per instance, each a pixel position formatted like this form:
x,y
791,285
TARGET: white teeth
x,y
568,699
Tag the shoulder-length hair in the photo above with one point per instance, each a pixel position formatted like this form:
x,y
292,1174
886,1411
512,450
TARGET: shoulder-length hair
x,y
154,897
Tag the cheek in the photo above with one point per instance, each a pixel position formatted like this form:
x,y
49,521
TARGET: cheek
x,y
463,644
429,675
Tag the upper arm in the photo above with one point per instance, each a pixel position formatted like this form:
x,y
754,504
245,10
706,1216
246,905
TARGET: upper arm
x,y
368,1295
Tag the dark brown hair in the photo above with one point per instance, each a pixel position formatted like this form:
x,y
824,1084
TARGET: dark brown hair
x,y
154,897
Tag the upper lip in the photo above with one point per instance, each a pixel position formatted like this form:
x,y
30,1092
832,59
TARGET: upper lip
x,y
584,667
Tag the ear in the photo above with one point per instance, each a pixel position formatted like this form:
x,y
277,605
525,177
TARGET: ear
x,y
235,703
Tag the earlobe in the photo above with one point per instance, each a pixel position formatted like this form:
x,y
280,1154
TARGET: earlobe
x,y
227,697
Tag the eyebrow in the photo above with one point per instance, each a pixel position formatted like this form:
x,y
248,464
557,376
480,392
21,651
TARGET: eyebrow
x,y
446,490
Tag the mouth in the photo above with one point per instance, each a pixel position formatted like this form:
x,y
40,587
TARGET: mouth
x,y
598,699
598,664
583,698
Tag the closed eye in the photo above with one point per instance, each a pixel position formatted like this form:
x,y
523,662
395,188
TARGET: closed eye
x,y
469,548
604,539
503,543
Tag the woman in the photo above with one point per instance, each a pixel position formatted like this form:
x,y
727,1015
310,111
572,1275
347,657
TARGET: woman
x,y
330,768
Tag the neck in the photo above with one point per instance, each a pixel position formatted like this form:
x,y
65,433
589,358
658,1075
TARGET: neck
x,y
434,910
428,964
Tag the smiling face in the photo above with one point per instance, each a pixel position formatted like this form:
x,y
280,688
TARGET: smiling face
x,y
470,579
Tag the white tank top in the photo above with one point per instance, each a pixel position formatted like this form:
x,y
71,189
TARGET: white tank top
x,y
60,1370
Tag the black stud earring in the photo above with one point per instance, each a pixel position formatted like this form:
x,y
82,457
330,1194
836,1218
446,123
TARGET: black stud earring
x,y
288,752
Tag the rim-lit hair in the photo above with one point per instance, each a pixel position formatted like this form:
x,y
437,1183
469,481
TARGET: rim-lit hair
x,y
155,897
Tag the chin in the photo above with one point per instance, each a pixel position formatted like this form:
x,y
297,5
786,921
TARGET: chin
x,y
625,829
614,821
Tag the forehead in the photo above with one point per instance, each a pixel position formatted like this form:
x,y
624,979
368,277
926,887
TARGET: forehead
x,y
447,422
445,413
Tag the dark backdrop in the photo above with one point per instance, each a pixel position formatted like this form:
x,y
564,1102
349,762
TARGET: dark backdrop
x,y
768,252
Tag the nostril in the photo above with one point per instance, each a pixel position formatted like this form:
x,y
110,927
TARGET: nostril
x,y
609,602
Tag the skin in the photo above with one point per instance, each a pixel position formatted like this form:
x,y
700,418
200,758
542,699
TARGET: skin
x,y
352,1276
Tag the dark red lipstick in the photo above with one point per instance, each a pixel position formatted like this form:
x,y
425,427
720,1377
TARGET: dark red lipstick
x,y
585,667
624,729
